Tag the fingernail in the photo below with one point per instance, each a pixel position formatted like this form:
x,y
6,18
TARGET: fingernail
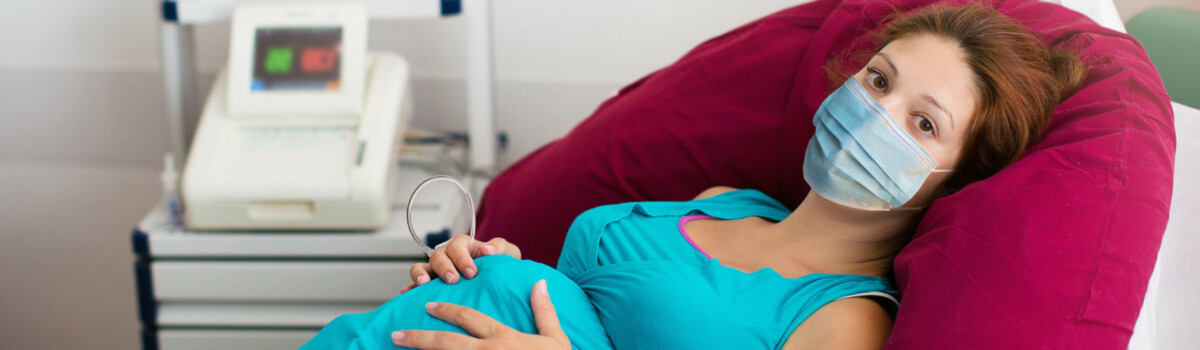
x,y
488,248
541,288
450,277
397,336
422,279
430,306
469,272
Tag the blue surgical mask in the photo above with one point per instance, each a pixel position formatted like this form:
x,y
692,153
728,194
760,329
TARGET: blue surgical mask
x,y
860,157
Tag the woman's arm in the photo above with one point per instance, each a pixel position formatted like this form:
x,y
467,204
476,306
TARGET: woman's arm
x,y
852,323
715,191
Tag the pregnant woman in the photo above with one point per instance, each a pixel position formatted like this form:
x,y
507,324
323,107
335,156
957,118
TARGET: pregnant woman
x,y
951,96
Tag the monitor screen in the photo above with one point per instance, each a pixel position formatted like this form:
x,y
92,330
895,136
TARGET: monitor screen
x,y
292,58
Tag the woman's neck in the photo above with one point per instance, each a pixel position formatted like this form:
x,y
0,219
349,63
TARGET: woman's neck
x,y
826,237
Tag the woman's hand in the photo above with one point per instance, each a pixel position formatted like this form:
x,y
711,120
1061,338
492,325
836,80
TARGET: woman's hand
x,y
487,332
457,255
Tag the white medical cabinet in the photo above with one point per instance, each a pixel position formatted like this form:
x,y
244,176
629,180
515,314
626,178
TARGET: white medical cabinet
x,y
250,289
275,290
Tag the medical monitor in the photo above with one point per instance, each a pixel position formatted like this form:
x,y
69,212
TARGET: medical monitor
x,y
297,61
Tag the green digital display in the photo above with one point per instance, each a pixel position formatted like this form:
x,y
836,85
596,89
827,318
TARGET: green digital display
x,y
279,60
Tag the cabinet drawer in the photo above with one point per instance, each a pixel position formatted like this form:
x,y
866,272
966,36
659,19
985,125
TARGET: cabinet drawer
x,y
336,281
255,315
179,339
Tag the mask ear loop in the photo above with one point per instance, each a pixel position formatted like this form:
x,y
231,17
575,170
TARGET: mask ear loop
x,y
408,212
942,171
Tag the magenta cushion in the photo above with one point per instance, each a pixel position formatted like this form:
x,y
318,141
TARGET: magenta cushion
x,y
1053,252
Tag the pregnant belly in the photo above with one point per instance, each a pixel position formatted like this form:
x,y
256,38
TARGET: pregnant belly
x,y
500,290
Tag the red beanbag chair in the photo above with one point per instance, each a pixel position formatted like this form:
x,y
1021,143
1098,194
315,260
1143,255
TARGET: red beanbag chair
x,y
1053,252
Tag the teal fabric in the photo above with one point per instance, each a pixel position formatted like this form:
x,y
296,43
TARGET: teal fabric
x,y
1171,38
628,268
501,290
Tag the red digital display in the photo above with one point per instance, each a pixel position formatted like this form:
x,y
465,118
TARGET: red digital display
x,y
318,60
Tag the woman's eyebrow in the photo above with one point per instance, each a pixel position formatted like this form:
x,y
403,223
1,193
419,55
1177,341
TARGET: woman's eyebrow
x,y
935,103
895,73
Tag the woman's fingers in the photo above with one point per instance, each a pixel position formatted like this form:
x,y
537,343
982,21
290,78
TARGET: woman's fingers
x,y
474,322
443,267
544,314
479,249
459,252
447,260
420,339
419,273
457,256
501,246
486,332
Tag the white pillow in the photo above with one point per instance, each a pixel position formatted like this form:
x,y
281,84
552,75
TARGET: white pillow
x,y
1103,12
1171,312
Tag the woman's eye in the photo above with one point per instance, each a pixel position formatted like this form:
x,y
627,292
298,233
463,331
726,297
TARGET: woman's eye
x,y
877,80
925,125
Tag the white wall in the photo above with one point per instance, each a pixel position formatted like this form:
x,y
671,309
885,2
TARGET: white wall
x,y
82,132
79,81
80,78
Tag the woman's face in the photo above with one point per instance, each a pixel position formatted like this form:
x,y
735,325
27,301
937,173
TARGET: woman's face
x,y
924,82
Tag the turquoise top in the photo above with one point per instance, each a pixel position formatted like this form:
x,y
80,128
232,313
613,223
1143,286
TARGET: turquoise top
x,y
653,289
630,269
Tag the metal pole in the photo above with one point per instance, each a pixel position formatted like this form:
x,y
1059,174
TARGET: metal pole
x,y
481,82
176,53
172,88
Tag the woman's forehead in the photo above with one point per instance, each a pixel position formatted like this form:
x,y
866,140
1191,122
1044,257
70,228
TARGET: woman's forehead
x,y
926,65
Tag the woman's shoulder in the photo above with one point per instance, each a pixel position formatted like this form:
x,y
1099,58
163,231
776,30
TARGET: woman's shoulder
x,y
721,202
850,323
580,246
717,201
731,194
713,191
603,214
731,203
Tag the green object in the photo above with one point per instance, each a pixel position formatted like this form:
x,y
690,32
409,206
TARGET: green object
x,y
1172,39
279,60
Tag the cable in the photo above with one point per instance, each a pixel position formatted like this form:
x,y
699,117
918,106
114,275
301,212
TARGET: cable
x,y
408,212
